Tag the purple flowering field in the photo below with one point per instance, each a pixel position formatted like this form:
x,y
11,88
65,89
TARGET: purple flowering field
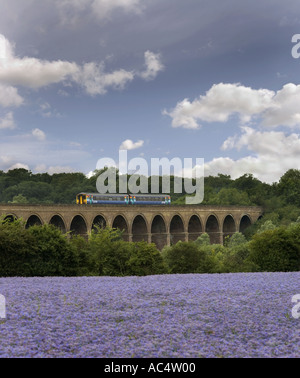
x,y
192,315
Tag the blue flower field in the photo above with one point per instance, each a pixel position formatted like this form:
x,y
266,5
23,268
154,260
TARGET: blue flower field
x,y
171,316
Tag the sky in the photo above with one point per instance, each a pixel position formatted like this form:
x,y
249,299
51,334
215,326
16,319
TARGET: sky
x,y
210,79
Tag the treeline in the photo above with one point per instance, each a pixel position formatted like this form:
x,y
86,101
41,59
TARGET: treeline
x,y
280,200
45,251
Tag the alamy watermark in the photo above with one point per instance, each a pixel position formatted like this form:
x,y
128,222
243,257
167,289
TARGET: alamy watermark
x,y
296,308
188,179
2,307
296,47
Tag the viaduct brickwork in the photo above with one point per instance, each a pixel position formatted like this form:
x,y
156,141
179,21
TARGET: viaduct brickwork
x,y
162,225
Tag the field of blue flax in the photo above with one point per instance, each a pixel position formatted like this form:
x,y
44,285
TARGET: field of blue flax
x,y
188,315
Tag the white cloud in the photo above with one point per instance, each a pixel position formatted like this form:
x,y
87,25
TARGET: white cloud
x,y
46,111
285,107
219,103
53,155
272,154
279,108
52,169
95,80
75,144
39,134
93,77
8,121
153,65
40,168
104,8
60,169
30,72
35,73
70,10
19,166
9,96
130,145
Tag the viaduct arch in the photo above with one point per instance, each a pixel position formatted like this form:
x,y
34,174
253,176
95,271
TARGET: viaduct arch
x,y
162,225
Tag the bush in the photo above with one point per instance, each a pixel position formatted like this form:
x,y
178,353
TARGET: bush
x,y
275,250
53,255
202,240
145,259
80,247
214,255
109,253
111,256
16,255
38,251
184,257
237,260
236,240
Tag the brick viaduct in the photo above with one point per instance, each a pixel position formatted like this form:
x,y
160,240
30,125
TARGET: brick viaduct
x,y
162,225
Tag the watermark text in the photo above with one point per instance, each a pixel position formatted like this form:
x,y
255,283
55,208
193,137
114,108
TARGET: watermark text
x,y
2,307
296,308
296,47
133,176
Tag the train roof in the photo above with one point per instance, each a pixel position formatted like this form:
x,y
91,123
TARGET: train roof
x,y
100,194
150,195
124,194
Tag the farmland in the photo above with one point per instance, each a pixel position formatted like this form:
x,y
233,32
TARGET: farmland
x,y
179,315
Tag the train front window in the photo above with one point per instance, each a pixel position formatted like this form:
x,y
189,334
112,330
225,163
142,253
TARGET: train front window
x,y
81,199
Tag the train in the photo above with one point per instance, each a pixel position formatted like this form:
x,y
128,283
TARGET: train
x,y
122,199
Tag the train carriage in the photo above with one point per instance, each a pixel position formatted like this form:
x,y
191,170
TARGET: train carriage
x,y
122,199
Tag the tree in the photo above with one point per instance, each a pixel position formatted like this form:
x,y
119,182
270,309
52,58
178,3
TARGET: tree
x,y
203,239
236,258
109,253
184,257
267,225
238,238
81,249
275,250
19,199
16,254
18,175
145,259
289,187
53,255
230,196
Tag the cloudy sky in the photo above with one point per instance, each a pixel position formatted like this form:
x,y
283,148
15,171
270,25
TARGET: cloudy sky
x,y
212,79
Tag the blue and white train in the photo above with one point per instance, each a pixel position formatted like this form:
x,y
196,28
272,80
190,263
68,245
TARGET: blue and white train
x,y
122,199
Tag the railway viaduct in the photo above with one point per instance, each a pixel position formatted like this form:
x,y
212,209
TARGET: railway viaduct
x,y
162,225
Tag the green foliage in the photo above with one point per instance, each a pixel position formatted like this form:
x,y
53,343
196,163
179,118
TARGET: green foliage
x,y
81,250
267,225
237,259
271,244
145,259
16,256
53,255
112,256
276,250
281,201
184,257
214,255
230,197
289,187
38,251
202,240
19,199
45,251
236,240
108,252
